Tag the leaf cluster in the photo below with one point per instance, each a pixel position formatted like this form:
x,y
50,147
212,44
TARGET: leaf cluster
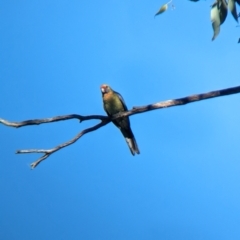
x,y
218,13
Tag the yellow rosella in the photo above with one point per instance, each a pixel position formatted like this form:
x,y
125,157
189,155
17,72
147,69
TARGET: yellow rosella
x,y
113,103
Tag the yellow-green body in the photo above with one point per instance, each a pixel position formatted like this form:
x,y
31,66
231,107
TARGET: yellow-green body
x,y
113,103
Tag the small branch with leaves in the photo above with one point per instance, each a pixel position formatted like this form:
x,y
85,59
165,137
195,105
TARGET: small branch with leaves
x,y
104,120
218,13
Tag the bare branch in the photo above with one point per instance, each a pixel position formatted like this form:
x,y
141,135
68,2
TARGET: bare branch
x,y
52,119
48,152
179,101
105,120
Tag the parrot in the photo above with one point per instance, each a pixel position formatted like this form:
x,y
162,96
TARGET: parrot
x,y
113,103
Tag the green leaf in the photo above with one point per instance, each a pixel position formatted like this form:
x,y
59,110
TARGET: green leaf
x,y
215,19
232,8
162,9
223,10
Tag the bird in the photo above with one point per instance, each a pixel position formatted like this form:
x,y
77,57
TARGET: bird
x,y
113,103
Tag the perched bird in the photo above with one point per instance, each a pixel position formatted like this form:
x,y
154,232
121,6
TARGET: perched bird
x,y
113,103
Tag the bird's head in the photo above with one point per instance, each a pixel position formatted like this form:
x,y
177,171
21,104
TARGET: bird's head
x,y
105,88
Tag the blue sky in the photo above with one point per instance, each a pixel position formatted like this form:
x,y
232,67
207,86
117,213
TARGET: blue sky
x,y
185,184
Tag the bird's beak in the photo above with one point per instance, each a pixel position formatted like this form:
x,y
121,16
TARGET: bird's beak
x,y
103,90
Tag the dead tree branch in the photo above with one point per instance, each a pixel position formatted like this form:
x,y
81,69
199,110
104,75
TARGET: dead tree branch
x,y
48,152
179,101
52,119
105,120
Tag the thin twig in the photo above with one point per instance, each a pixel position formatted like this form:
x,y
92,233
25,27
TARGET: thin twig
x,y
52,119
48,152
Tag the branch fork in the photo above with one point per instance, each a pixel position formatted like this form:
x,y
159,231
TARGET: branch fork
x,y
104,120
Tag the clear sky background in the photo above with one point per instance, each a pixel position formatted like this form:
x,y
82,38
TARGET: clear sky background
x,y
185,184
